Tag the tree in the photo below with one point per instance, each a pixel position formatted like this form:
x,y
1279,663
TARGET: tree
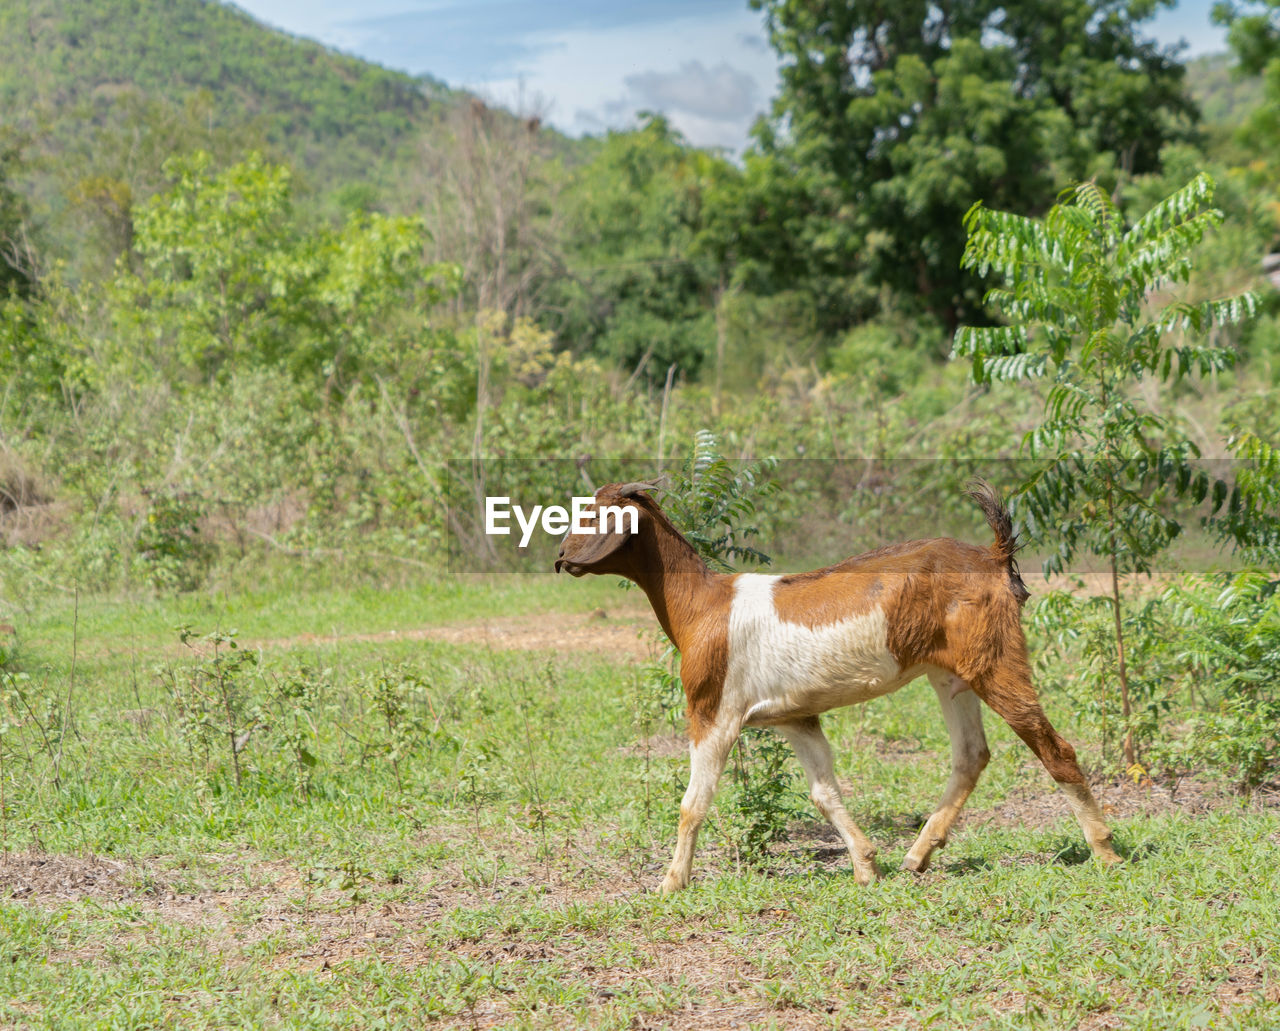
x,y
892,118
225,277
1077,296
652,252
488,194
1254,36
117,160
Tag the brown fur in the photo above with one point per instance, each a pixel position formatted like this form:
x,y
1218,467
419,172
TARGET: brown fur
x,y
947,603
690,600
705,663
952,610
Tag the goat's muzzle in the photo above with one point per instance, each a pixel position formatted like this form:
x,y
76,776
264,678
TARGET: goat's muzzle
x,y
572,568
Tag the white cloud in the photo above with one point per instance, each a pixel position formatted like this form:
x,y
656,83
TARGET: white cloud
x,y
722,93
706,73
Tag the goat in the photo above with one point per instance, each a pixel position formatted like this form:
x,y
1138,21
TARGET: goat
x,y
776,651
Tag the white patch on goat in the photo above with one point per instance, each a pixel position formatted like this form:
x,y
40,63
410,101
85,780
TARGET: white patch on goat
x,y
780,670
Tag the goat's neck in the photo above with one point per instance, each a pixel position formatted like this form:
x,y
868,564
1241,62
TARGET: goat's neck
x,y
677,582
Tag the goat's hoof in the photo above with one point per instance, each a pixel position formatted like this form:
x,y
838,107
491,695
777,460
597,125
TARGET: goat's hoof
x,y
866,873
671,884
916,864
1109,858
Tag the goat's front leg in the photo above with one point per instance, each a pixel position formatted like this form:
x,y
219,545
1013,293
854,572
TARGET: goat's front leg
x,y
814,753
707,757
969,755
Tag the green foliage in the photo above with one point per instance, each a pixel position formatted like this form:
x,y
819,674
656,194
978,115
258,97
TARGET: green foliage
x,y
1252,519
33,723
66,65
226,280
1202,660
294,700
1076,296
885,357
1079,654
234,712
1227,639
763,795
17,274
229,363
645,267
1225,97
710,498
216,701
169,543
400,702
1254,36
223,278
892,120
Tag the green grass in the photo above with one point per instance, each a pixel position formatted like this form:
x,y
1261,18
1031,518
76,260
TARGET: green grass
x,y
508,878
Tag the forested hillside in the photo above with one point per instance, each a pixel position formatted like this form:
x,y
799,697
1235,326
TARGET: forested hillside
x,y
67,67
100,94
1226,95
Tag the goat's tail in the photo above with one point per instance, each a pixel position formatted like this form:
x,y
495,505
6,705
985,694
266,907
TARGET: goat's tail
x,y
1006,545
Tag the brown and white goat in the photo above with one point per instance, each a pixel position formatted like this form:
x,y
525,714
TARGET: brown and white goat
x,y
778,650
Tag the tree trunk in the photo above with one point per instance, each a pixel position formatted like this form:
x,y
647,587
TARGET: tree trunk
x,y
1130,756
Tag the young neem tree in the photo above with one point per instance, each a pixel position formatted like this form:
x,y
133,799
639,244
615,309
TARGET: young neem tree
x,y
1081,310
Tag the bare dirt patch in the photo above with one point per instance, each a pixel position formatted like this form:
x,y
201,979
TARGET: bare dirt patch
x,y
1039,805
666,744
621,634
47,877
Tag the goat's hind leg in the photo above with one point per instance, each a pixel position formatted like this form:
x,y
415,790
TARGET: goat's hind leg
x,y
969,755
1008,690
811,747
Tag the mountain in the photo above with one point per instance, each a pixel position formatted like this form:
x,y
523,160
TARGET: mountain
x,y
95,95
68,66
1226,98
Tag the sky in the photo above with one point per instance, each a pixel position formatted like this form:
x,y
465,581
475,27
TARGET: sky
x,y
591,65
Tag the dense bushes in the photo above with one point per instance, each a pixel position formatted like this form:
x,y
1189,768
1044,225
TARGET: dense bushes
x,y
1203,666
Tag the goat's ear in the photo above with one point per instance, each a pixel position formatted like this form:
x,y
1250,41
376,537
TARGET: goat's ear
x,y
592,549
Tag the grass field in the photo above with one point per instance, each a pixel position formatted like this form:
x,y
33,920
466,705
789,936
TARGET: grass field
x,y
456,803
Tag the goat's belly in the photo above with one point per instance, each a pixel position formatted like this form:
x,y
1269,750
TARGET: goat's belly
x,y
776,693
781,670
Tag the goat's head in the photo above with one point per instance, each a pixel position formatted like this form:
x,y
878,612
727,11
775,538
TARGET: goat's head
x,y
606,548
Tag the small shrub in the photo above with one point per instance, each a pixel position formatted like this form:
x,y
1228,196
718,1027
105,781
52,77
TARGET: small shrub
x,y
1089,310
217,706
1079,632
400,703
169,545
763,795
31,720
1228,641
294,699
1204,659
